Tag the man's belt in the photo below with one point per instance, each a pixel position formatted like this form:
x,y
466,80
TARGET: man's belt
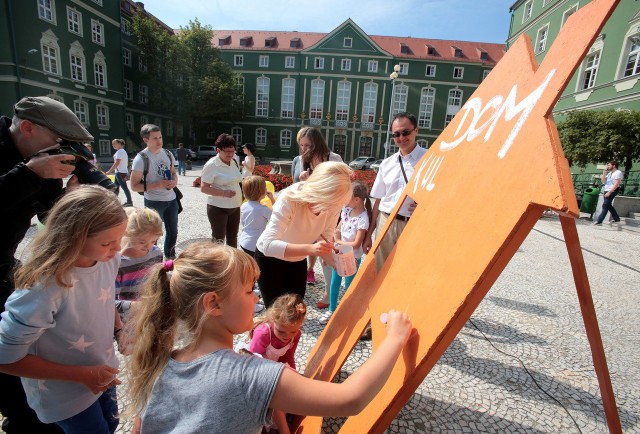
x,y
398,216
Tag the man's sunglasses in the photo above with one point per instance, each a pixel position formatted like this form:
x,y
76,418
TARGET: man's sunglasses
x,y
404,133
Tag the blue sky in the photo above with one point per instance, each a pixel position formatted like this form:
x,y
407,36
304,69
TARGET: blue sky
x,y
464,20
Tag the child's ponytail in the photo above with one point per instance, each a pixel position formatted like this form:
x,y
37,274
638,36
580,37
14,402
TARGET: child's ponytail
x,y
155,329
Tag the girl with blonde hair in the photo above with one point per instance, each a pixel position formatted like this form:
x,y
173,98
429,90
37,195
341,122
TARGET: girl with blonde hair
x,y
205,386
58,328
304,213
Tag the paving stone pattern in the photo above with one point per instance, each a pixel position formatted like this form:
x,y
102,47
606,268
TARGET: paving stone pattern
x,y
522,364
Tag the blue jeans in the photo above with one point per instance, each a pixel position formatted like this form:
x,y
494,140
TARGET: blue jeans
x,y
334,289
100,418
121,183
182,167
169,214
607,205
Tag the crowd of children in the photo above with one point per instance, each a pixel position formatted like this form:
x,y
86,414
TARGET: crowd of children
x,y
95,274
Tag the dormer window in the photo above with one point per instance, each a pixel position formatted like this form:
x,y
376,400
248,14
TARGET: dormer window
x,y
226,40
404,49
271,42
294,43
431,51
484,55
246,41
457,52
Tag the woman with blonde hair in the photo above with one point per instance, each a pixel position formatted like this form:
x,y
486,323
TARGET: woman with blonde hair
x,y
304,213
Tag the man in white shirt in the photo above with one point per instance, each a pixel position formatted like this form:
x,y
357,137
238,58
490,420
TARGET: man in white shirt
x,y
158,184
391,179
611,178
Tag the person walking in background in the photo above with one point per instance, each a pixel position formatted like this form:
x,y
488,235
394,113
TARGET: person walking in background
x,y
157,184
30,183
94,160
611,178
181,155
249,162
220,180
120,169
304,213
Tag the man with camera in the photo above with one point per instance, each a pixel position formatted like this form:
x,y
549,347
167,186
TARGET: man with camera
x,y
30,183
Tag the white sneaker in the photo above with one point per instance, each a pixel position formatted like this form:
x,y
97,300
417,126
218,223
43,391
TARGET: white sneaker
x,y
325,317
259,308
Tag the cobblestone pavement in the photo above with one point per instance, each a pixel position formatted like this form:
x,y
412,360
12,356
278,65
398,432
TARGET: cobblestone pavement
x,y
522,363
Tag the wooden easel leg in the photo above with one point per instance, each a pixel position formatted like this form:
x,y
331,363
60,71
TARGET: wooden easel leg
x,y
591,322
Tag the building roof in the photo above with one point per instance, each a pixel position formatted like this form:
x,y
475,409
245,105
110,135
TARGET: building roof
x,y
399,47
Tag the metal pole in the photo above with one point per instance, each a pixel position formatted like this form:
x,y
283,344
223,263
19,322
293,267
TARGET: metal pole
x,y
388,143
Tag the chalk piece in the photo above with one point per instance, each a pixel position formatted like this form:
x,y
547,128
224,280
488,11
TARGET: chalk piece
x,y
383,317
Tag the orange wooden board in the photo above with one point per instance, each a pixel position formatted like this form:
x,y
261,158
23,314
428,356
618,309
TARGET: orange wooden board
x,y
500,162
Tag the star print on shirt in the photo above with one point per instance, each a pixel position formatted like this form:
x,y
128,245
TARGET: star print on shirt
x,y
105,295
80,344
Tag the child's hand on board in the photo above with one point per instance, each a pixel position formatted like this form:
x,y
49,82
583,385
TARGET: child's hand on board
x,y
398,326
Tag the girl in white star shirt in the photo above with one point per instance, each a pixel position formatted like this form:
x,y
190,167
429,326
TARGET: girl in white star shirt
x,y
58,327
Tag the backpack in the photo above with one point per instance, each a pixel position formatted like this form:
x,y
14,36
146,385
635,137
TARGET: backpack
x,y
145,171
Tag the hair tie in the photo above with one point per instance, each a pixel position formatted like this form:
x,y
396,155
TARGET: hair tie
x,y
167,265
146,211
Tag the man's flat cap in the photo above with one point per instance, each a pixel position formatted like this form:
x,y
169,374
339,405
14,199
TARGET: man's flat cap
x,y
53,115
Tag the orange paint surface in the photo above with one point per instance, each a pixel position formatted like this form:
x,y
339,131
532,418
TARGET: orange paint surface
x,y
500,158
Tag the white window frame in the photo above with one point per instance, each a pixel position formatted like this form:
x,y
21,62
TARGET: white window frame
x,y
238,60
404,68
290,62
81,109
97,32
47,10
102,116
74,21
400,95
527,11
127,89
458,72
104,145
427,102
128,122
343,100
288,98
179,130
347,42
345,65
262,97
263,61
143,94
100,70
98,2
126,57
369,101
170,128
125,26
144,120
372,66
542,36
486,73
318,63
316,101
50,53
630,56
430,70
77,67
454,102
590,70
566,14
285,138
236,132
261,137
423,143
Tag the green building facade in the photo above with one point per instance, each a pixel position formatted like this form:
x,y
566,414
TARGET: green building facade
x,y
339,82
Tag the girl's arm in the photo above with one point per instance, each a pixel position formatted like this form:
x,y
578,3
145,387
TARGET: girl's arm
x,y
301,395
115,164
358,239
289,356
96,378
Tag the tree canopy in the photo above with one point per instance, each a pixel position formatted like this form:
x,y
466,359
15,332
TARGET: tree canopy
x,y
187,77
592,136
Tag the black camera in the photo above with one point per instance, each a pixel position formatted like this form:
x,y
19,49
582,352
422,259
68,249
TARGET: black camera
x,y
85,171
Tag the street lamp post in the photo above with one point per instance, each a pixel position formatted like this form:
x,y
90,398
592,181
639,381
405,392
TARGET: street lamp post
x,y
392,76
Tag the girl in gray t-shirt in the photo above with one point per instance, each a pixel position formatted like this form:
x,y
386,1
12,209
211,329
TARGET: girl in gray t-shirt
x,y
205,386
